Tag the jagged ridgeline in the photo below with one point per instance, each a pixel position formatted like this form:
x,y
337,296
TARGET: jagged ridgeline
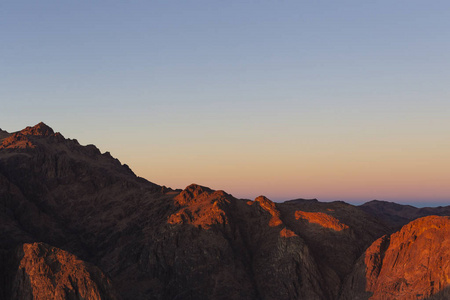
x,y
79,224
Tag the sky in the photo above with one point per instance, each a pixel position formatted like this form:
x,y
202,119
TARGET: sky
x,y
334,100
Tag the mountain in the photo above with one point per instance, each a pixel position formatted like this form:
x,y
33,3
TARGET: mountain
x,y
95,230
46,272
3,135
397,215
413,263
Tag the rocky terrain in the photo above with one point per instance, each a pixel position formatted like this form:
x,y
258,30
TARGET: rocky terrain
x,y
413,263
76,223
397,215
45,272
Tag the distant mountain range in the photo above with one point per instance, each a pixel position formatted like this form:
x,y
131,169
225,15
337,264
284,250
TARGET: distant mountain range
x,y
79,224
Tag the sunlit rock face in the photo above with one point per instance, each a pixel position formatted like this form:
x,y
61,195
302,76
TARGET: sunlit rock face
x,y
271,208
200,206
413,263
24,138
46,272
86,226
321,219
287,233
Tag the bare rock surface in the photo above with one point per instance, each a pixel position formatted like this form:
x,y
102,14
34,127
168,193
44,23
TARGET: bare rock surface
x,y
61,201
413,263
46,272
200,206
321,219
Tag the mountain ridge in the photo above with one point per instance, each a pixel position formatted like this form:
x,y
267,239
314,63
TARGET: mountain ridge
x,y
153,242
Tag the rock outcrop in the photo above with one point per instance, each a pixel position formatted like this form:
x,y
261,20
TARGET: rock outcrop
x,y
88,227
270,207
321,219
25,137
200,206
413,263
46,272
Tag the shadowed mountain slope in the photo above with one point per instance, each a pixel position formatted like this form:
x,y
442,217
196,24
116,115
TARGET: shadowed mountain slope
x,y
397,215
138,240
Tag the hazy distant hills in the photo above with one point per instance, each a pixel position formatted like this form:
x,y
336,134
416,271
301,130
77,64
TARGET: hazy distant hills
x,y
78,224
396,215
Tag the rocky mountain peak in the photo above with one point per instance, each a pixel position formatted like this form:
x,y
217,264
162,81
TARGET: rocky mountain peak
x,y
24,139
200,206
40,129
271,208
191,193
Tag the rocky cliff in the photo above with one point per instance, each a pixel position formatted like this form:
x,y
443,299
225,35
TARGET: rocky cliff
x,y
413,263
46,272
95,230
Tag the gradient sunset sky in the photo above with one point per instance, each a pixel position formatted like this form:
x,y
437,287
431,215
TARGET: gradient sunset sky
x,y
335,100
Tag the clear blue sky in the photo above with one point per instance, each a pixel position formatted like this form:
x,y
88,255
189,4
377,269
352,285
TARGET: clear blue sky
x,y
327,99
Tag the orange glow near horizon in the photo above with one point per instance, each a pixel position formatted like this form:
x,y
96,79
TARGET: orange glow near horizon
x,y
354,108
334,174
352,161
